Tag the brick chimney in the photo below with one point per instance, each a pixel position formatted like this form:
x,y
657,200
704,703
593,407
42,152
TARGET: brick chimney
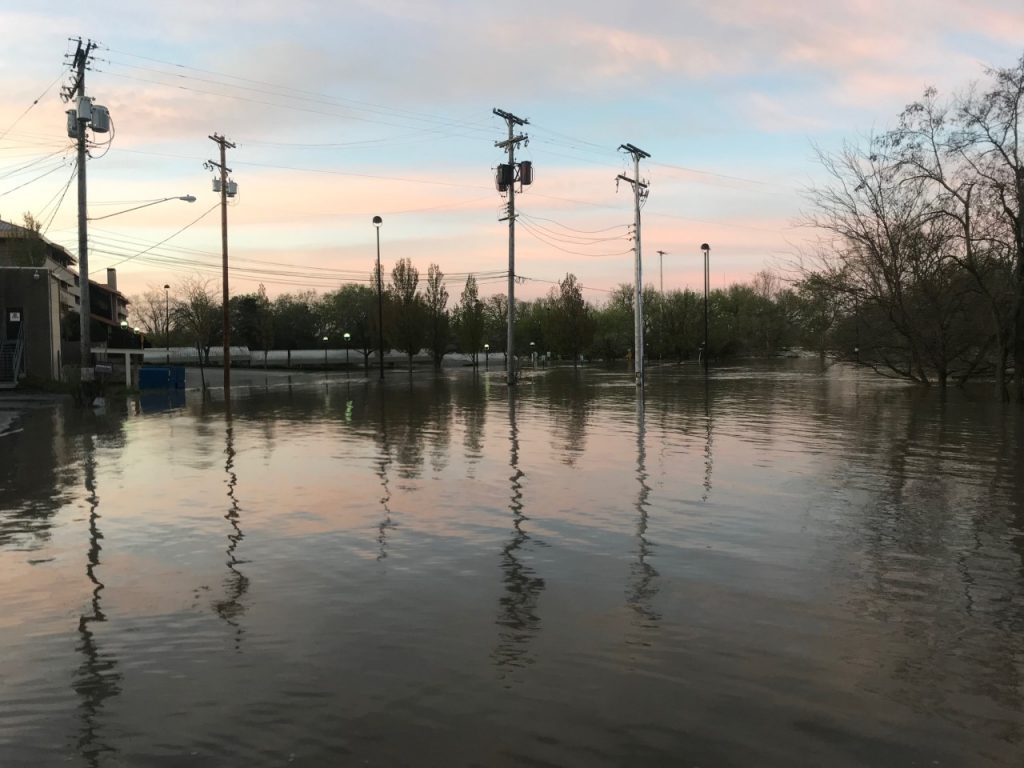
x,y
112,278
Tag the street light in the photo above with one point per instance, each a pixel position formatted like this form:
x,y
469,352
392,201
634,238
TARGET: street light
x,y
167,322
185,198
377,221
348,336
487,356
325,353
533,353
142,338
707,255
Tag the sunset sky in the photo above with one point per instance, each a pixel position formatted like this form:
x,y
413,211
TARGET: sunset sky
x,y
346,110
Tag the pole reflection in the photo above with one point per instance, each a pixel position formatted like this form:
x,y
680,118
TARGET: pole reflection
x,y
517,620
236,583
642,585
709,459
383,463
96,678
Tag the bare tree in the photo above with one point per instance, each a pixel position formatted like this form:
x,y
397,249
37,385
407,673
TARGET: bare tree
x,y
197,315
436,300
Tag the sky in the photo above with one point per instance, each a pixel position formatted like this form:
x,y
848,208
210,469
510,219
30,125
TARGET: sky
x,y
344,110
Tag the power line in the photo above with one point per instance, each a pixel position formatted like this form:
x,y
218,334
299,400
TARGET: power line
x,y
62,164
28,109
190,224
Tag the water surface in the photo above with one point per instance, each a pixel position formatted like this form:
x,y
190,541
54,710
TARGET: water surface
x,y
777,566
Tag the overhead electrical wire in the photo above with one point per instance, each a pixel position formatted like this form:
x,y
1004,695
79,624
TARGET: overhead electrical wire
x,y
286,91
28,109
56,208
62,164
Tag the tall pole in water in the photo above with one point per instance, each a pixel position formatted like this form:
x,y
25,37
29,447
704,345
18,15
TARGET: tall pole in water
x,y
510,144
224,144
707,284
377,221
639,195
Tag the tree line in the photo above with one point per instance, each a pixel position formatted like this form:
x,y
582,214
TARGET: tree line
x,y
762,318
921,275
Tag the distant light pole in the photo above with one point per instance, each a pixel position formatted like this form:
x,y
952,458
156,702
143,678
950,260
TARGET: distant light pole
x,y
487,356
325,353
533,353
377,221
142,337
348,337
707,260
167,322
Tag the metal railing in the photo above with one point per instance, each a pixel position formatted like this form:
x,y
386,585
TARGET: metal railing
x,y
11,354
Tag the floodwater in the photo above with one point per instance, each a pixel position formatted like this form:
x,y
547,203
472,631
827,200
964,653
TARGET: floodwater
x,y
780,566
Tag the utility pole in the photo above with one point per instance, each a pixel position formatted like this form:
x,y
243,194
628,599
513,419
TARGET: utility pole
x,y
707,289
78,119
506,181
639,195
227,189
661,272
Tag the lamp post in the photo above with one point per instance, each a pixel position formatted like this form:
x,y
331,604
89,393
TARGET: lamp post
x,y
142,337
348,337
167,322
377,221
533,353
487,356
325,353
707,254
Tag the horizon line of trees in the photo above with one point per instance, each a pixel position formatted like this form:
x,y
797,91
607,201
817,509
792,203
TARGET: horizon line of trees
x,y
757,319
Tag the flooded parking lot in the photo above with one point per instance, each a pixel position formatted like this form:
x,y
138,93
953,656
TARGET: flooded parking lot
x,y
774,566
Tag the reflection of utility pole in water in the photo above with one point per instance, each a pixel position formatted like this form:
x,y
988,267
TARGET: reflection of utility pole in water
x,y
386,523
97,678
708,442
236,583
642,573
517,619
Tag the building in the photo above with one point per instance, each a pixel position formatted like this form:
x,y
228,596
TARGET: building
x,y
40,297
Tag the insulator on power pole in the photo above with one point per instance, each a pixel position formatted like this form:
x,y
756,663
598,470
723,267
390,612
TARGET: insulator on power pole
x,y
100,119
526,173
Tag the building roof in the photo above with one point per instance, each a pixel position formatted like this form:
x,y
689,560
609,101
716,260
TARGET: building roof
x,y
58,253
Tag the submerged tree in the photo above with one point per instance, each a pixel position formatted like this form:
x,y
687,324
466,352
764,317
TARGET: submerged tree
x,y
469,320
436,301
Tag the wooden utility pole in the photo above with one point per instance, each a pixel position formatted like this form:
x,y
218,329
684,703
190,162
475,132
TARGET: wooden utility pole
x,y
510,144
224,144
639,195
75,94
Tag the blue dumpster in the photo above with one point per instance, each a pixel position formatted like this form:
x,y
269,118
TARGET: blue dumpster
x,y
162,377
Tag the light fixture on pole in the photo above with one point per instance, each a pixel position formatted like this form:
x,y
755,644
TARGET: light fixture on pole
x,y
487,356
377,221
707,258
184,198
348,338
325,352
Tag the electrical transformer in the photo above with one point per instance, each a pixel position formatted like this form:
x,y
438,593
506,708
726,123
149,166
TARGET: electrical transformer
x,y
100,119
526,173
72,123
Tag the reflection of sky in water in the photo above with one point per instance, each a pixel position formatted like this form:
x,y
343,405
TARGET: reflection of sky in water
x,y
542,576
